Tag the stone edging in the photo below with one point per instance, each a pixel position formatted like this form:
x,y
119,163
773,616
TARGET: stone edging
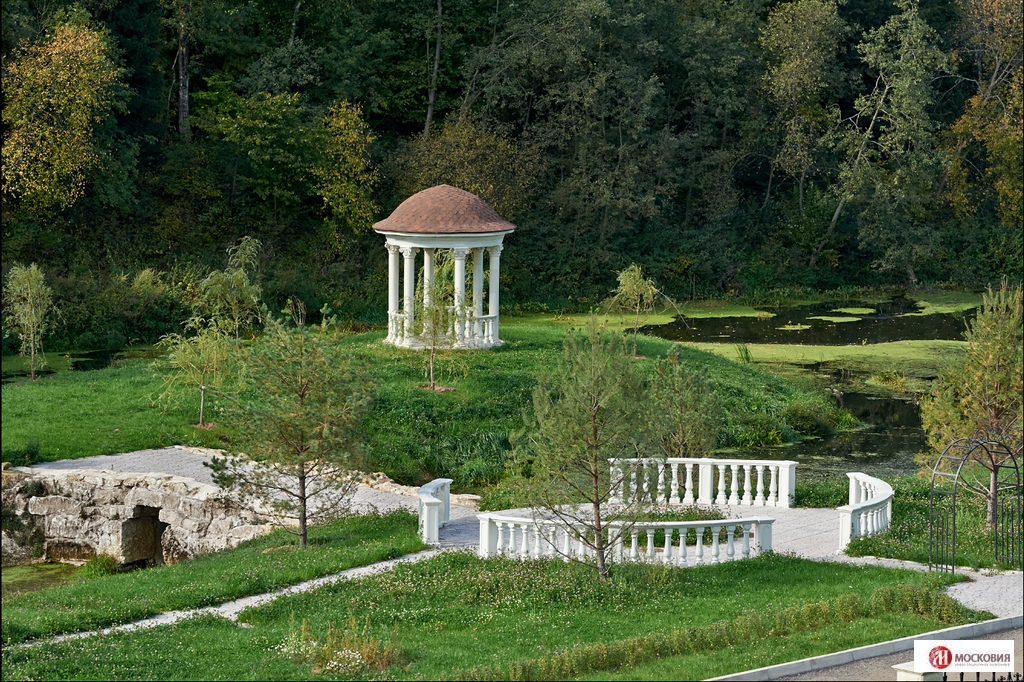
x,y
970,631
377,480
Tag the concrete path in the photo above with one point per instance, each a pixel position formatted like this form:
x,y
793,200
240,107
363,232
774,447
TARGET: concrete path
x,y
880,667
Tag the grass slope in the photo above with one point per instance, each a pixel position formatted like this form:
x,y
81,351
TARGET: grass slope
x,y
254,567
456,612
100,412
413,434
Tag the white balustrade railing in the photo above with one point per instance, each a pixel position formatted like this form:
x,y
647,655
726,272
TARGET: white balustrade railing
x,y
684,480
869,510
435,507
534,538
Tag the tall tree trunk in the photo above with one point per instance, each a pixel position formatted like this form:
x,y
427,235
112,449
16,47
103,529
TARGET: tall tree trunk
x,y
295,21
202,404
599,549
993,485
856,163
302,505
432,92
768,192
803,175
183,58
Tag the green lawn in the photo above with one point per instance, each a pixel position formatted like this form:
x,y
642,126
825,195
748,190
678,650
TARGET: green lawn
x,y
459,616
99,412
413,434
907,535
254,567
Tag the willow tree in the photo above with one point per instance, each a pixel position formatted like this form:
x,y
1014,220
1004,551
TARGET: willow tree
x,y
28,308
636,294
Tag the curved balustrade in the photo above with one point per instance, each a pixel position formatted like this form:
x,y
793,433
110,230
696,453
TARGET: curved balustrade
x,y
534,538
435,507
869,510
684,480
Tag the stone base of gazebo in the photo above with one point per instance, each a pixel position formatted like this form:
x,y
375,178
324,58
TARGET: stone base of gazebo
x,y
478,333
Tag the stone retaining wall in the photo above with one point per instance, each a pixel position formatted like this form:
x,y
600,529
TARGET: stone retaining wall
x,y
149,518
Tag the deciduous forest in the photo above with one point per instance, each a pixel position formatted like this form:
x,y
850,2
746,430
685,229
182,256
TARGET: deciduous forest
x,y
728,146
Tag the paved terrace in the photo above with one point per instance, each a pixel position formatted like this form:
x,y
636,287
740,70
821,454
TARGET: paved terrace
x,y
811,533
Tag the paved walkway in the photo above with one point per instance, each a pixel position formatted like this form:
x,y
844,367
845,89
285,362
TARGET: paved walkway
x,y
880,667
811,533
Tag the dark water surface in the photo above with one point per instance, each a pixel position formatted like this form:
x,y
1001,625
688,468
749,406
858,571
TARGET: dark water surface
x,y
15,367
892,434
890,321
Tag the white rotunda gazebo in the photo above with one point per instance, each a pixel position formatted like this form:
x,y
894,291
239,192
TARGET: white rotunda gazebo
x,y
444,217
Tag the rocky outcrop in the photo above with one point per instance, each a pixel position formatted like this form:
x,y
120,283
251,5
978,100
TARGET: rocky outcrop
x,y
134,518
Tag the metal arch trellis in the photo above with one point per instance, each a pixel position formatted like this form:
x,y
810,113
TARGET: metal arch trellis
x,y
942,501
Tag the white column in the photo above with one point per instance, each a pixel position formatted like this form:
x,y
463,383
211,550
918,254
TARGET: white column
x,y
478,295
460,296
492,306
393,333
409,305
428,275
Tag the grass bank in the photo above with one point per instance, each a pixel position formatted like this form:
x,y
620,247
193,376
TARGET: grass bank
x,y
464,433
413,434
100,412
916,359
254,567
462,617
907,535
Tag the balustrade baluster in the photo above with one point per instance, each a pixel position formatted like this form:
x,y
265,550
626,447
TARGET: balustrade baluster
x,y
567,543
734,497
646,479
501,537
667,549
524,547
674,493
773,487
699,560
714,544
683,532
688,499
650,546
747,498
746,540
759,500
721,499
634,553
537,550
661,497
730,551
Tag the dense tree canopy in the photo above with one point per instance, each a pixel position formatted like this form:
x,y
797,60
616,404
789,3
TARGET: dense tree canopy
x,y
728,145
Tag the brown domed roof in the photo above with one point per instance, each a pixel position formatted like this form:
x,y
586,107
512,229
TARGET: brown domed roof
x,y
444,210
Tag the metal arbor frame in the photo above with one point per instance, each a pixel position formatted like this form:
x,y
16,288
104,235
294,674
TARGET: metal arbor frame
x,y
942,502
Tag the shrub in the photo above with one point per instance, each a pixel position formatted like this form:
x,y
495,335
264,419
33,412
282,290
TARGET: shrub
x,y
99,566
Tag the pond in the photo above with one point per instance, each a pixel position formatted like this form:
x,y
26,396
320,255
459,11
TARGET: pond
x,y
892,434
16,367
823,324
885,446
18,579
